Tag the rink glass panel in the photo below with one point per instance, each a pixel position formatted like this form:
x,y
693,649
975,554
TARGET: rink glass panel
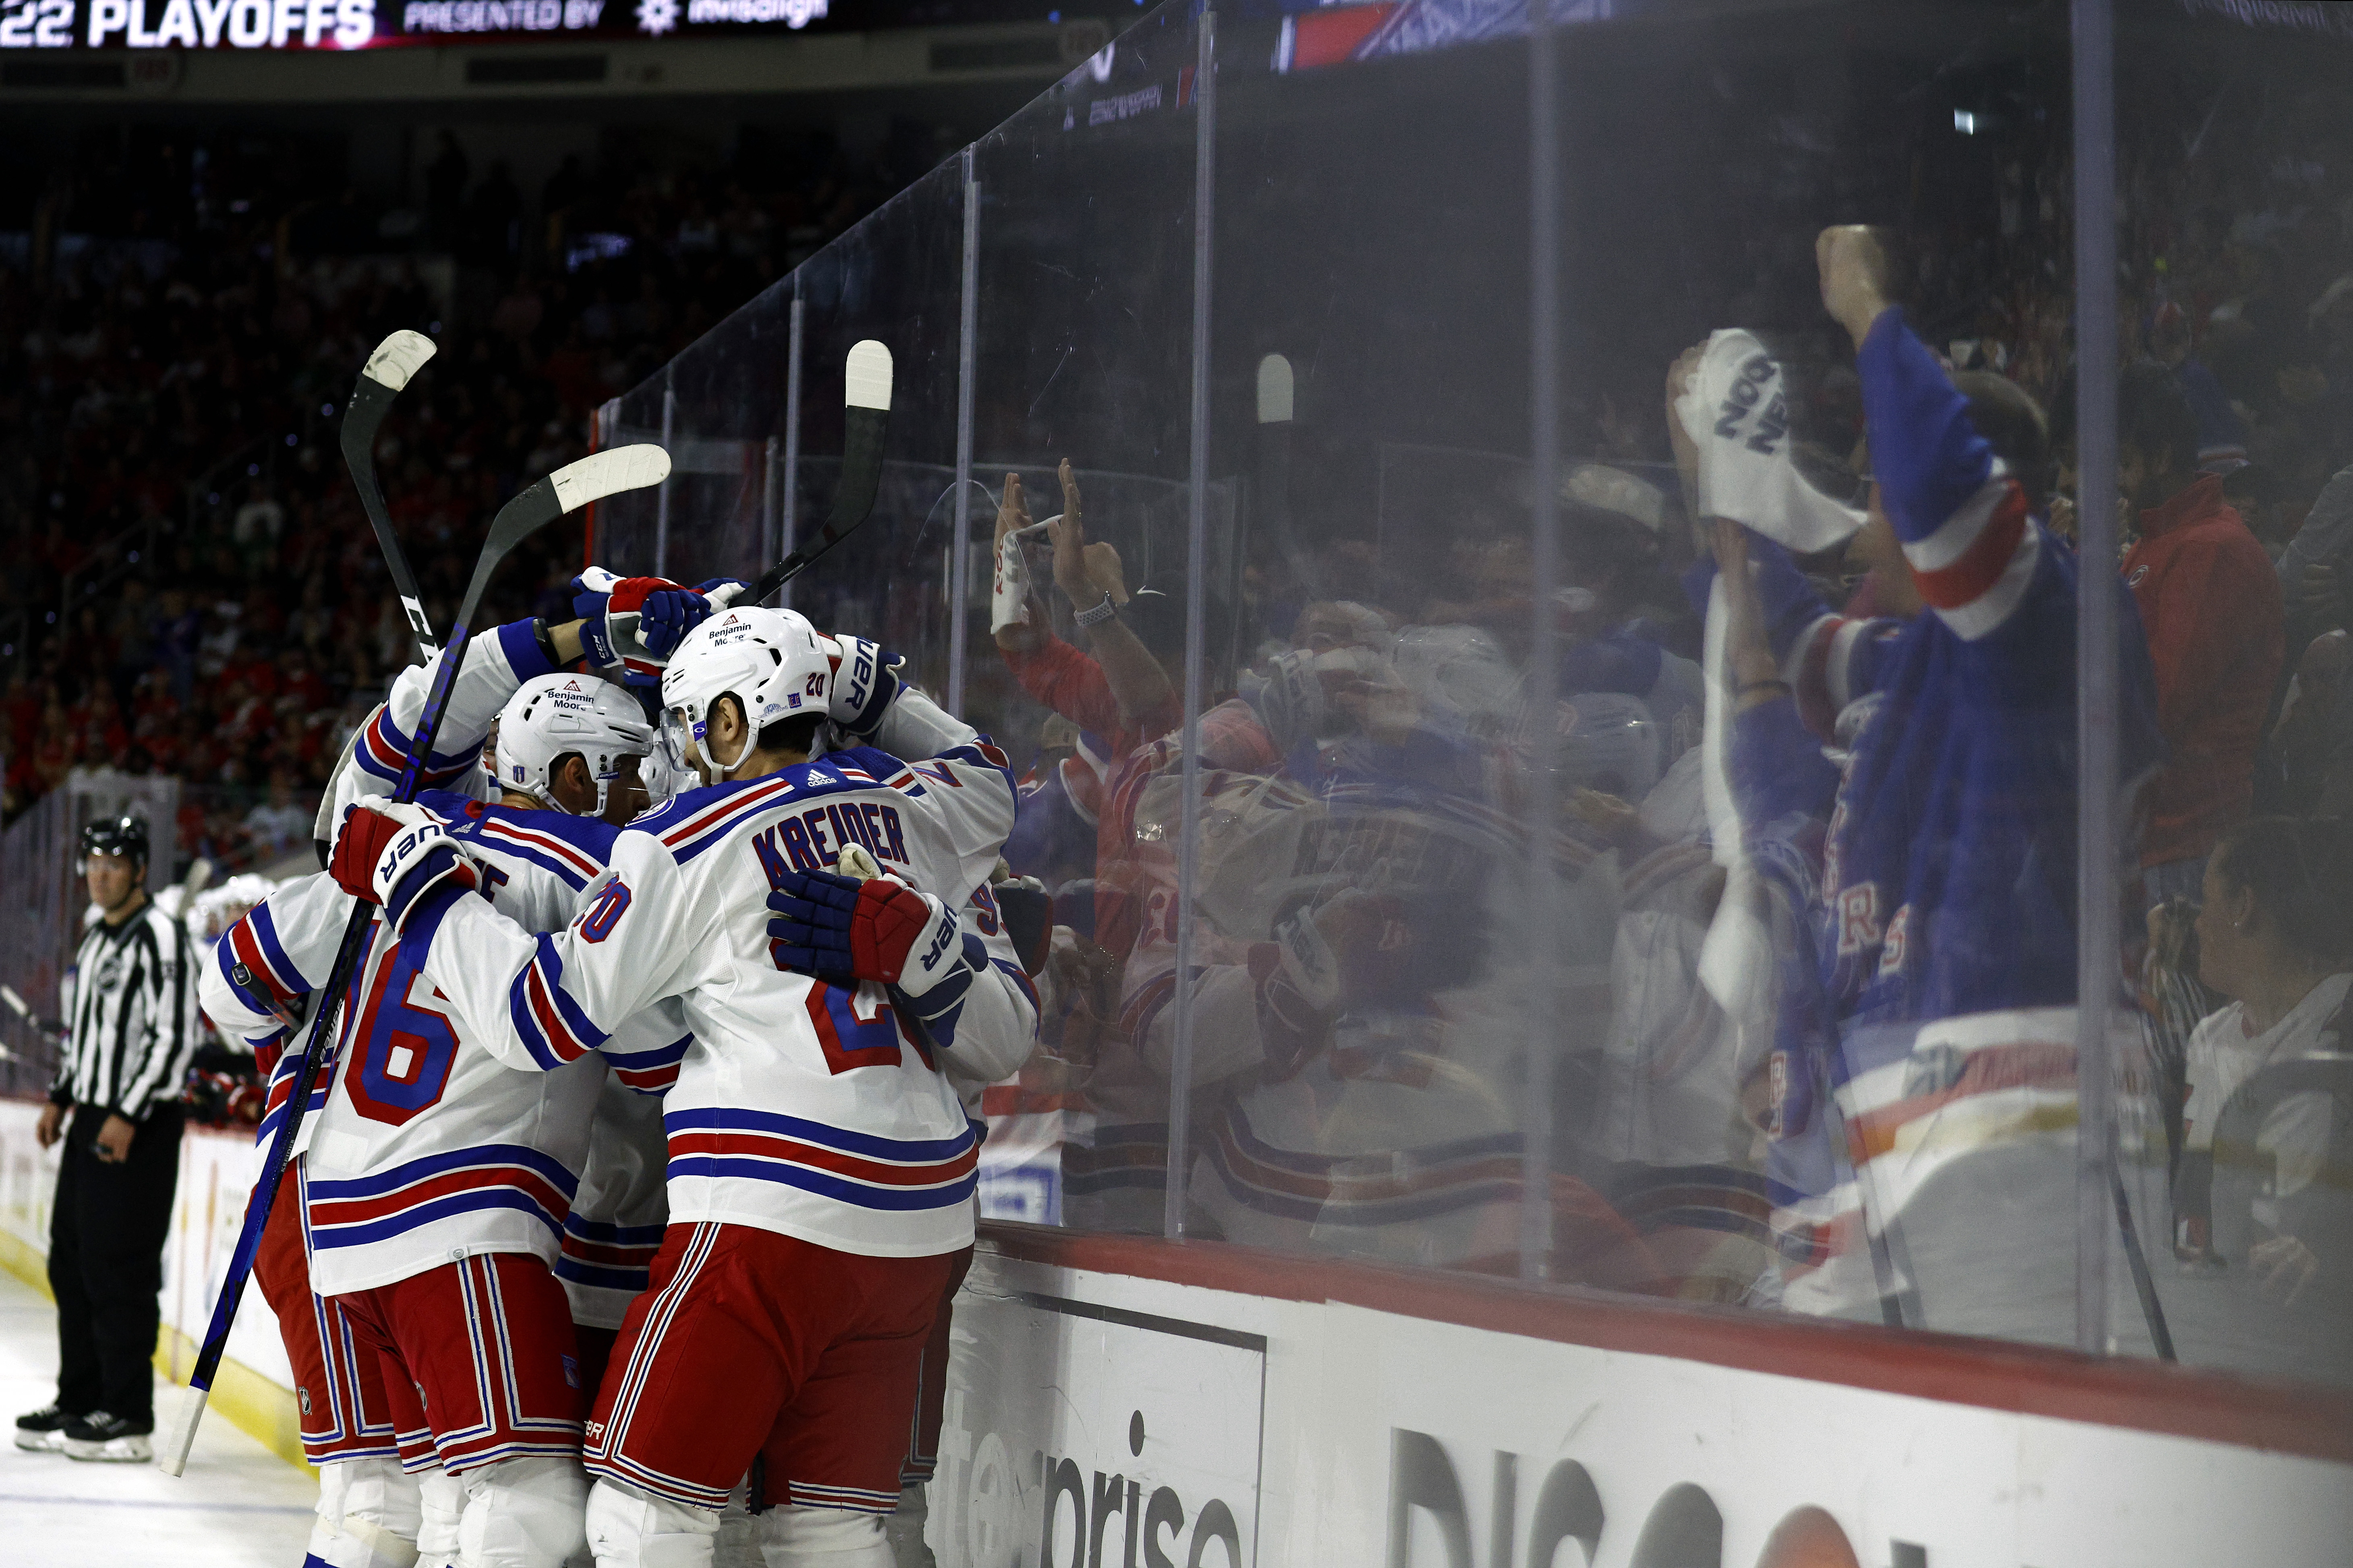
x,y
1083,352
2232,152
1449,919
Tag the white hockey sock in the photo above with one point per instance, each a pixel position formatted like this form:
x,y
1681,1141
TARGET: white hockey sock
x,y
442,1500
795,1537
367,1515
523,1513
631,1529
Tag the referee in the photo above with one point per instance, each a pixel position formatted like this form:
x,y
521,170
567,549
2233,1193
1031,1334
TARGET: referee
x,y
116,1103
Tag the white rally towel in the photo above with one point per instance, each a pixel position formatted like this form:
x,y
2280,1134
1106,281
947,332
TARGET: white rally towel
x,y
1737,411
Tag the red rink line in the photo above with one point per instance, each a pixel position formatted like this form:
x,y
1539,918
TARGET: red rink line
x,y
2275,1415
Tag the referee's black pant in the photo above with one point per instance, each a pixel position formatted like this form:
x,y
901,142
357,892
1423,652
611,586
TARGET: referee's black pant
x,y
106,1264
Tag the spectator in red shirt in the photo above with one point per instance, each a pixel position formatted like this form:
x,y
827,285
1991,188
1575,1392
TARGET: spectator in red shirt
x,y
1123,693
2210,601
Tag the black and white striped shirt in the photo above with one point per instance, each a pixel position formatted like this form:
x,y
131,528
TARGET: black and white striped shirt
x,y
132,1009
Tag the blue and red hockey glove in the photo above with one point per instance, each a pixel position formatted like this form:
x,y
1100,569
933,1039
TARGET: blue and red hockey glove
x,y
399,858
842,930
637,623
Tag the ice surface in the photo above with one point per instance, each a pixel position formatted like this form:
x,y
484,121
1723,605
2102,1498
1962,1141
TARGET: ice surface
x,y
238,1503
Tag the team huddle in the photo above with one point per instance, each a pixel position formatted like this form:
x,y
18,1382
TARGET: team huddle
x,y
627,1223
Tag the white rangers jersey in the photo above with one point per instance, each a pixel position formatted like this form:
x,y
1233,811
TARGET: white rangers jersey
x,y
425,1147
428,1147
497,663
621,1209
799,1108
271,984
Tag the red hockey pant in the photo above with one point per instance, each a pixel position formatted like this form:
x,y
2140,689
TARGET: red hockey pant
x,y
480,1352
338,1382
751,1345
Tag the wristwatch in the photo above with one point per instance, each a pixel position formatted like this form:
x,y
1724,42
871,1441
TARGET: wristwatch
x,y
1100,613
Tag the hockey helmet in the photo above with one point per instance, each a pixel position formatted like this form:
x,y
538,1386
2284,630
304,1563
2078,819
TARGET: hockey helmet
x,y
553,716
770,661
116,835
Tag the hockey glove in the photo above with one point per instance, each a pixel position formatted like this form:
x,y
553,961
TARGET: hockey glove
x,y
399,858
668,614
865,683
636,623
879,930
1298,982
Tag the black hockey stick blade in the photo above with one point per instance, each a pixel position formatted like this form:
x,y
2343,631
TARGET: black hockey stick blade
x,y
571,487
387,370
866,413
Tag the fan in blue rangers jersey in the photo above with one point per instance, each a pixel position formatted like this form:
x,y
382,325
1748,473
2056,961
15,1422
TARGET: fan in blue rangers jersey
x,y
1933,992
820,1164
437,1181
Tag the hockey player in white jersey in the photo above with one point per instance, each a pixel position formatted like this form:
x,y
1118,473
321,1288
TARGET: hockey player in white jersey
x,y
437,1181
370,1510
821,1168
996,1029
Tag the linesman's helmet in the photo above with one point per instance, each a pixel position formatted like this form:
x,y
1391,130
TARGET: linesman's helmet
x,y
768,660
554,716
116,835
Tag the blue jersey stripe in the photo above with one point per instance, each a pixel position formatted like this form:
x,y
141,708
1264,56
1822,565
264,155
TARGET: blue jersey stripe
x,y
581,1273
824,1183
646,1061
526,1021
488,1156
586,1035
477,1201
731,1119
265,932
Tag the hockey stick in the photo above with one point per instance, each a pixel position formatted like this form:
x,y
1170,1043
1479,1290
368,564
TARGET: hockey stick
x,y
866,398
193,884
17,1004
55,1031
573,486
387,370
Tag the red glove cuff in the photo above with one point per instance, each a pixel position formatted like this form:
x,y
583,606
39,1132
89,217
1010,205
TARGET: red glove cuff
x,y
358,847
631,592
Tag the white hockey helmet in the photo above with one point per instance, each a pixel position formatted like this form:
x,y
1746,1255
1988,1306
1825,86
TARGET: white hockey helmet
x,y
769,660
554,716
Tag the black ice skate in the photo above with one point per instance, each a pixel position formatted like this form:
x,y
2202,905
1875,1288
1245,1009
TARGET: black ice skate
x,y
109,1439
44,1430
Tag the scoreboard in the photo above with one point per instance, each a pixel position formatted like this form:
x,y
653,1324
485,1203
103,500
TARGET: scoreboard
x,y
344,24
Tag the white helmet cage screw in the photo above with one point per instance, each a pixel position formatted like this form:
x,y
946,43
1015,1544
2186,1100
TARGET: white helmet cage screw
x,y
555,716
